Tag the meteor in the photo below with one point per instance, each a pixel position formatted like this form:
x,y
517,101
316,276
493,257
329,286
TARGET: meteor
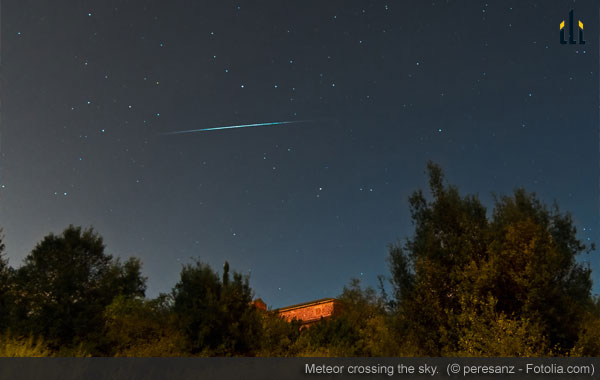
x,y
237,126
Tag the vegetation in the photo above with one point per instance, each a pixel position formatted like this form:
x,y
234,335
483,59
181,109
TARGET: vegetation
x,y
11,347
466,283
215,315
506,286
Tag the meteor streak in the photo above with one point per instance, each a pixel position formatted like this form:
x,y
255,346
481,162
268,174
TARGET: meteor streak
x,y
237,126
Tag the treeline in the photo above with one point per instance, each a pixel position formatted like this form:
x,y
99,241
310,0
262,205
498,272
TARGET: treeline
x,y
465,284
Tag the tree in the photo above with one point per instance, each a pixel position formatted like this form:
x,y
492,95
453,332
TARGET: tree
x,y
65,284
5,288
485,331
367,312
216,315
449,233
140,328
241,320
532,269
518,268
361,329
588,341
278,337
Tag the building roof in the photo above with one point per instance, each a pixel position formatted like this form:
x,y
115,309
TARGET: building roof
x,y
305,304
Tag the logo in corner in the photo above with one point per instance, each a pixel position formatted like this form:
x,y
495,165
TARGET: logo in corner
x,y
571,32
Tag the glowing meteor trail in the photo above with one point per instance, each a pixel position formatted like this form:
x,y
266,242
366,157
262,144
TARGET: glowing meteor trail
x,y
237,126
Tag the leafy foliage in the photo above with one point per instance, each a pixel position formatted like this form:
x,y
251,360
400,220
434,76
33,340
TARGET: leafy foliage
x,y
139,328
215,315
6,300
279,337
64,286
361,329
467,283
463,282
12,347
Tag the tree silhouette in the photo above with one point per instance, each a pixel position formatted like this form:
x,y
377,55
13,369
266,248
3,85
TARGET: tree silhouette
x,y
5,285
65,284
216,315
459,266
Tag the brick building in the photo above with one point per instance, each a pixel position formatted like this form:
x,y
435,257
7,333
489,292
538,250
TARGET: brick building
x,y
310,312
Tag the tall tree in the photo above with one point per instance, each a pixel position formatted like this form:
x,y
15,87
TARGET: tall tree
x,y
215,314
520,265
532,269
5,288
449,233
65,284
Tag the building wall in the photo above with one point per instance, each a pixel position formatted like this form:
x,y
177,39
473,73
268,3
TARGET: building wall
x,y
310,312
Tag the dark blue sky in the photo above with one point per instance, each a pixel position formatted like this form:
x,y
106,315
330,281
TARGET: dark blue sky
x,y
88,90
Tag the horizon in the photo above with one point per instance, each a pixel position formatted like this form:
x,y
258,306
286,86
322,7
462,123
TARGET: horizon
x,y
92,95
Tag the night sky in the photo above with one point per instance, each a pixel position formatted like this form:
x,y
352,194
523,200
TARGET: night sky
x,y
91,90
